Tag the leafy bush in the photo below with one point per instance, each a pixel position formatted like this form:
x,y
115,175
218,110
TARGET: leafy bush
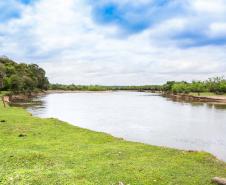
x,y
215,85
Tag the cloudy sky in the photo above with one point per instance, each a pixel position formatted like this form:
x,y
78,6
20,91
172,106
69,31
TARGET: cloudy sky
x,y
121,42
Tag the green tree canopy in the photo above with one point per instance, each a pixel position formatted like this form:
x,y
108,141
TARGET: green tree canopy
x,y
21,77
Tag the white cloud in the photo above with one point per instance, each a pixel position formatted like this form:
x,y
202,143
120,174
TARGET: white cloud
x,y
62,37
217,29
215,7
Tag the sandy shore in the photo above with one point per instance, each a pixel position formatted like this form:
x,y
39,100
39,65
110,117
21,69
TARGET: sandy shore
x,y
205,99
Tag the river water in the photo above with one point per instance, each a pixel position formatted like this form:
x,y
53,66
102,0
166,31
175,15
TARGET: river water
x,y
142,117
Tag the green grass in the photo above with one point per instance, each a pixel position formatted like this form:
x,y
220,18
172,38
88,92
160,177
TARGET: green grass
x,y
206,94
2,93
49,151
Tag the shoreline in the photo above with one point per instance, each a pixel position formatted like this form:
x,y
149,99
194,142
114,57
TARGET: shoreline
x,y
178,96
202,99
212,99
215,99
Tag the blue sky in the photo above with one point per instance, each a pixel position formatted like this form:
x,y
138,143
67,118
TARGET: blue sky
x,y
117,41
10,8
134,17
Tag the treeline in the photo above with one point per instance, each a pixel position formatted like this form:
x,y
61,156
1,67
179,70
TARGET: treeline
x,y
215,85
21,77
74,87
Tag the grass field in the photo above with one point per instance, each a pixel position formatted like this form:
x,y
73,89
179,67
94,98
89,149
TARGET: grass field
x,y
49,151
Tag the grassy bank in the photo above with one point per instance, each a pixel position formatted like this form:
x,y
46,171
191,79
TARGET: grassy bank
x,y
49,151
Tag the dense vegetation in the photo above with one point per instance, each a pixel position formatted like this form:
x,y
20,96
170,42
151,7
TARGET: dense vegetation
x,y
73,87
48,151
215,85
21,77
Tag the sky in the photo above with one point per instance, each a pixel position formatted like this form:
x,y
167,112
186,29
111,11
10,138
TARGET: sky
x,y
117,42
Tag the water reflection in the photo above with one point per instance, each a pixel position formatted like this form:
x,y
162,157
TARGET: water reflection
x,y
142,117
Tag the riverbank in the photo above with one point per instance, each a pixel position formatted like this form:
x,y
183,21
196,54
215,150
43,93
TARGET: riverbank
x,y
21,97
210,95
194,97
49,151
202,97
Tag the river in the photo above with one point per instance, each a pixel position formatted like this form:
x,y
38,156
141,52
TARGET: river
x,y
141,117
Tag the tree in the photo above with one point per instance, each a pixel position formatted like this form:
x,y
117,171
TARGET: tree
x,y
21,77
198,87
16,83
181,87
168,86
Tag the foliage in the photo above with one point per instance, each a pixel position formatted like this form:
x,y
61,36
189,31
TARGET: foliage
x,y
181,87
48,151
73,87
21,77
168,86
215,85
198,86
